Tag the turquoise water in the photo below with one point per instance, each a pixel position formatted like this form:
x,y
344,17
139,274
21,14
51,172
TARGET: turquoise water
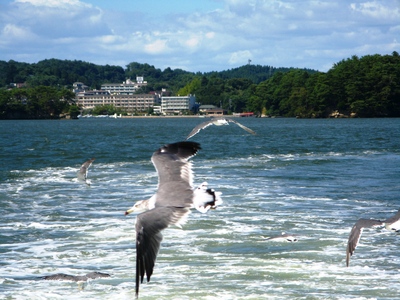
x,y
313,178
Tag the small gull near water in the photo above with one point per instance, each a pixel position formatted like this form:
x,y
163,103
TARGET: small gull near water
x,y
283,237
83,171
77,278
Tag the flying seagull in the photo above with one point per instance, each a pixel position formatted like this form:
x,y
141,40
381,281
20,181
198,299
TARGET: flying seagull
x,y
391,224
83,171
219,121
169,206
284,237
61,276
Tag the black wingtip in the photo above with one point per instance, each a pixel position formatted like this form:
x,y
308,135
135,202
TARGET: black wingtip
x,y
184,149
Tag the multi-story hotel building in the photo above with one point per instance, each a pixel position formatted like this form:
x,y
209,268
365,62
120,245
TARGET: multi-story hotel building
x,y
123,96
177,104
128,103
128,87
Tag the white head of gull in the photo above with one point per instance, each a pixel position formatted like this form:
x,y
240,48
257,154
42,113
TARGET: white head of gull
x,y
83,171
170,205
218,121
391,224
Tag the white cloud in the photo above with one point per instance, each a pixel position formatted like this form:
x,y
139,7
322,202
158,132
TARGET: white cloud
x,y
377,10
54,3
156,47
12,31
192,42
288,33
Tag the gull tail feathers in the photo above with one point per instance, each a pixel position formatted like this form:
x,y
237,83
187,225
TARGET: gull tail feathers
x,y
206,198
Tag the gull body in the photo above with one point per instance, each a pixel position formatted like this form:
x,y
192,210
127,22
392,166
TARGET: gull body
x,y
284,237
204,199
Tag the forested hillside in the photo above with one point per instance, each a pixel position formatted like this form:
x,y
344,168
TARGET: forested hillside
x,y
367,86
55,72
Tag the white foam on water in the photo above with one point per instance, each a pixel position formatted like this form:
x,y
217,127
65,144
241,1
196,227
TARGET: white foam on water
x,y
67,227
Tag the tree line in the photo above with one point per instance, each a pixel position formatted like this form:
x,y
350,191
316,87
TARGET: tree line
x,y
41,102
367,86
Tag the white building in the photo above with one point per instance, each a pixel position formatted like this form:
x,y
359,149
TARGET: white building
x,y
177,104
128,103
127,87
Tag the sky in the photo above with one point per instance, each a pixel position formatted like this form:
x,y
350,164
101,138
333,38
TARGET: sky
x,y
199,35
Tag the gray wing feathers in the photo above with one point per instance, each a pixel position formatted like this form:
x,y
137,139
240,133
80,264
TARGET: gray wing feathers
x,y
148,237
171,162
199,127
355,235
242,126
169,168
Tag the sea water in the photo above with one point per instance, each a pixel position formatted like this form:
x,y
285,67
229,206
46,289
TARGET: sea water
x,y
312,178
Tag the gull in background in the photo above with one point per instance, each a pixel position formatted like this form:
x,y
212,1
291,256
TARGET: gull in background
x,y
83,171
77,278
391,224
80,279
283,237
170,205
218,121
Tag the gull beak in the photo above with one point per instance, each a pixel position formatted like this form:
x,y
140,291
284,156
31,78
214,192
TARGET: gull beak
x,y
129,211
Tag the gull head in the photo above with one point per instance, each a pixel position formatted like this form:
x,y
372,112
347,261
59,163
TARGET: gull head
x,y
140,206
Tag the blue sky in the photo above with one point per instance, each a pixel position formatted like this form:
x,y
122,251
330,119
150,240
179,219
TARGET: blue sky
x,y
199,36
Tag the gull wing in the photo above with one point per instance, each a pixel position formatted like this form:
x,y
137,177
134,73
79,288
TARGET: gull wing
x,y
61,276
148,237
171,162
200,127
242,126
94,275
82,174
355,235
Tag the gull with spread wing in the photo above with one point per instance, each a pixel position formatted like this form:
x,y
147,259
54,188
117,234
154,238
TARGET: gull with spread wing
x,y
218,121
170,205
391,224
